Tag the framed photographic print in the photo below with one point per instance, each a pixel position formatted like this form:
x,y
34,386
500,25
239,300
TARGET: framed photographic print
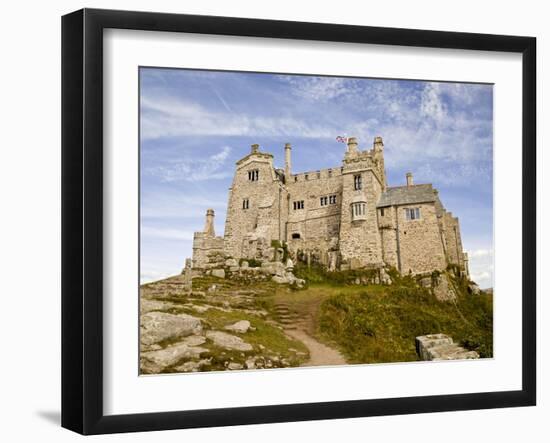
x,y
269,221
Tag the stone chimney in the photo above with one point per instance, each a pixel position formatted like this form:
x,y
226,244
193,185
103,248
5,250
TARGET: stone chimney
x,y
352,145
378,143
287,160
409,179
209,224
255,148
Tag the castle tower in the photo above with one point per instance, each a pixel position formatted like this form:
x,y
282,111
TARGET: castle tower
x,y
253,203
362,185
287,161
209,224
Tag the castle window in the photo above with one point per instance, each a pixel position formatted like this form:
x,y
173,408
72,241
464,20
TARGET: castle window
x,y
298,205
358,211
412,213
295,236
306,177
324,201
245,203
253,175
382,212
295,178
332,199
357,182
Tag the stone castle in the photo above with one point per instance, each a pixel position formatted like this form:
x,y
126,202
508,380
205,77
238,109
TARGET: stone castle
x,y
345,217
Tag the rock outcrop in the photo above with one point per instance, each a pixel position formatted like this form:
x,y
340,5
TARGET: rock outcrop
x,y
158,326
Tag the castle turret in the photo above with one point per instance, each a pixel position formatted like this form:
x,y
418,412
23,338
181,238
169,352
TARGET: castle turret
x,y
287,160
209,224
378,144
352,145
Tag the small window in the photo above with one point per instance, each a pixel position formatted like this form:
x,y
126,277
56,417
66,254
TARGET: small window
x,y
332,199
382,212
412,213
298,205
295,178
246,203
306,176
318,174
295,236
324,201
253,175
357,182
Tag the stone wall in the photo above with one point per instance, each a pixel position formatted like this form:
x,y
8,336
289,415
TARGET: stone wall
x,y
264,195
452,238
204,246
360,242
420,246
316,226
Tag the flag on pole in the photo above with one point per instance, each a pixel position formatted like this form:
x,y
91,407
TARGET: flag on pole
x,y
341,139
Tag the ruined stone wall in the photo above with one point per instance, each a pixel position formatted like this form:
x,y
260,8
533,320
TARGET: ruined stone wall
x,y
203,246
262,216
420,246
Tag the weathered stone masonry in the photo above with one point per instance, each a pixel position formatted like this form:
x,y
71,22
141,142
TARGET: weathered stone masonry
x,y
344,217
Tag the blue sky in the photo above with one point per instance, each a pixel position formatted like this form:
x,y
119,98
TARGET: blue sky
x,y
196,124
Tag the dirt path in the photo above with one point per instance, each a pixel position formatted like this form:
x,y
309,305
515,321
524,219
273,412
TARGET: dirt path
x,y
299,319
319,354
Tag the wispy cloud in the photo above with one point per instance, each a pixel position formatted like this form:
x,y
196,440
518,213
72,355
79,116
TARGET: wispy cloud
x,y
213,167
166,233
170,117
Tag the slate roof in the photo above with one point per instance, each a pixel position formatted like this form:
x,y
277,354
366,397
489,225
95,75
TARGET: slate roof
x,y
406,195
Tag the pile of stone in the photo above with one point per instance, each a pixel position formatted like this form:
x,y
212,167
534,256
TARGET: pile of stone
x,y
435,347
276,271
380,277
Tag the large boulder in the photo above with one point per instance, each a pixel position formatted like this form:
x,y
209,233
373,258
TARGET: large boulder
x,y
156,361
159,326
228,341
443,289
274,268
241,326
473,288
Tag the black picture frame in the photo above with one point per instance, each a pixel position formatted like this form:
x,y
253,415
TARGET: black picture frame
x,y
82,218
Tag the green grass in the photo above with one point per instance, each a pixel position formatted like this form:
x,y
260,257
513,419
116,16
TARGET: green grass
x,y
376,324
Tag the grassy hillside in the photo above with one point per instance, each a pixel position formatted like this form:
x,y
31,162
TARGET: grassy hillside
x,y
375,323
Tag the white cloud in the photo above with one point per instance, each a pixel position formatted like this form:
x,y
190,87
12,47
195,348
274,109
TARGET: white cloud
x,y
320,88
480,253
166,233
194,169
431,105
170,117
